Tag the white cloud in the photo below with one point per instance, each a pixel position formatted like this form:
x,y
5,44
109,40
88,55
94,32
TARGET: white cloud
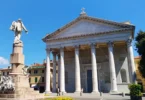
x,y
3,61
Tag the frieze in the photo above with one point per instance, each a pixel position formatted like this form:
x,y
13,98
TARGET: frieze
x,y
82,41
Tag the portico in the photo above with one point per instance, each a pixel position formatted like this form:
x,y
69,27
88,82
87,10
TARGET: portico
x,y
92,54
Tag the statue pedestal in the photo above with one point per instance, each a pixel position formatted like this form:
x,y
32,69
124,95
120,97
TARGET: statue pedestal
x,y
21,81
17,64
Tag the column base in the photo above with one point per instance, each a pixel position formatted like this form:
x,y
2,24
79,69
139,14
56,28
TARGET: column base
x,y
95,92
62,93
77,92
48,92
113,92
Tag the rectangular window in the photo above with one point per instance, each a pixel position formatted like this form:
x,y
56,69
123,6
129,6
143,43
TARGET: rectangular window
x,y
42,79
66,77
29,79
3,73
43,71
35,71
7,73
35,79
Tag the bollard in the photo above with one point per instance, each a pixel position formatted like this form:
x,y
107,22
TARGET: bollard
x,y
80,93
101,93
123,94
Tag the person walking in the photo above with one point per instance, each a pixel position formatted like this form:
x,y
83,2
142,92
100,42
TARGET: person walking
x,y
58,91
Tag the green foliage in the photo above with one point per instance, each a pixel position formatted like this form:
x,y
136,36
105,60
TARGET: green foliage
x,y
140,45
135,90
60,98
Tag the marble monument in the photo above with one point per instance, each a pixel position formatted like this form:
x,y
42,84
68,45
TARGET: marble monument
x,y
19,75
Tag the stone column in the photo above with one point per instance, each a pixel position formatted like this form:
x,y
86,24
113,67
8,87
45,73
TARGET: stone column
x,y
59,70
131,61
77,71
112,68
94,69
62,71
47,90
54,72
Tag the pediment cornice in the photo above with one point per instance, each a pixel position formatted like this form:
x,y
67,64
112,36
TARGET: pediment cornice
x,y
121,25
90,34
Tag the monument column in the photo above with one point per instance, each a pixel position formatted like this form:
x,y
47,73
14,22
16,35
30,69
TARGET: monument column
x,y
77,71
47,90
54,72
112,68
94,69
131,61
62,70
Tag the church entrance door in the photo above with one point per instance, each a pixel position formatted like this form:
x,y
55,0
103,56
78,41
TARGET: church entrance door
x,y
89,81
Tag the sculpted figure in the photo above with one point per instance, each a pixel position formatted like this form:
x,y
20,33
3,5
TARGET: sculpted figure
x,y
18,27
6,84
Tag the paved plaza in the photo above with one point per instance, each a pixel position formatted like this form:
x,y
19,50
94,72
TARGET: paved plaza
x,y
85,96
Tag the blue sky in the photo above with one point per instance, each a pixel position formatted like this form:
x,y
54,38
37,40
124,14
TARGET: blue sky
x,y
45,16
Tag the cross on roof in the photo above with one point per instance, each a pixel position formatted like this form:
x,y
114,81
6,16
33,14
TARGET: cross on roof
x,y
83,11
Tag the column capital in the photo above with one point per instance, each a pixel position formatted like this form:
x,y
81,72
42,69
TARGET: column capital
x,y
110,44
54,52
77,46
48,50
58,53
61,47
93,45
129,41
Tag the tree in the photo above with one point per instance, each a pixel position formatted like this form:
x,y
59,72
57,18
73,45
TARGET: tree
x,y
140,45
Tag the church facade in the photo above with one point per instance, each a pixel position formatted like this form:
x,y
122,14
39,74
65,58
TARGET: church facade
x,y
93,54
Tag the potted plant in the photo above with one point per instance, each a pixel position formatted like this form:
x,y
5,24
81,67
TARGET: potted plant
x,y
135,92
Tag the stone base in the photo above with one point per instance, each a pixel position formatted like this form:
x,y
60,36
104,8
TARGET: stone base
x,y
18,97
8,95
21,81
22,87
62,93
95,92
23,93
114,92
48,92
77,92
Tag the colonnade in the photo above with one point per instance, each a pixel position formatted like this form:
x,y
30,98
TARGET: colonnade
x,y
61,68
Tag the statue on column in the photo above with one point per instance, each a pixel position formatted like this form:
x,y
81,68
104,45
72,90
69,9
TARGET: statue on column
x,y
18,27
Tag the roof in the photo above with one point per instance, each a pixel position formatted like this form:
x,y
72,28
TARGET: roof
x,y
36,67
5,69
123,27
137,57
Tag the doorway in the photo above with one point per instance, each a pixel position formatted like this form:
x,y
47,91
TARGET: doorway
x,y
89,81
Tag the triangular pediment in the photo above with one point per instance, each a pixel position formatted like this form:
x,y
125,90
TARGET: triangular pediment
x,y
86,26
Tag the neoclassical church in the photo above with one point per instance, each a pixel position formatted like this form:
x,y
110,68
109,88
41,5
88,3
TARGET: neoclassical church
x,y
94,55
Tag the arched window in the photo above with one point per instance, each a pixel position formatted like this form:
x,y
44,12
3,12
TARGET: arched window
x,y
123,75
